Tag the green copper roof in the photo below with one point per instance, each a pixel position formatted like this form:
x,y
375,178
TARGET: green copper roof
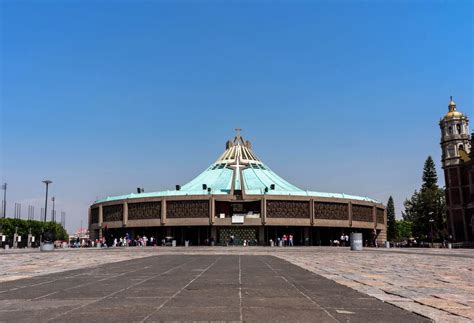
x,y
237,168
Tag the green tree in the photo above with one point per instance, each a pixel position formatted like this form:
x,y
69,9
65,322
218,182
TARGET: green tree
x,y
391,224
9,226
427,204
404,229
430,178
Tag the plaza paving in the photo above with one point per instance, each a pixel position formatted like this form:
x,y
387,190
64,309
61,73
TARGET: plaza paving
x,y
219,283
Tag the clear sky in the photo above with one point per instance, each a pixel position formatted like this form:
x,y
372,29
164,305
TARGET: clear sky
x,y
338,96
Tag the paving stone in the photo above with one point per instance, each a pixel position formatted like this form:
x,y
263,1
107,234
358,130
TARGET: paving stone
x,y
192,288
440,280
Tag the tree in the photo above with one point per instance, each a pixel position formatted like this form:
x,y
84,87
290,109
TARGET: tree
x,y
404,229
430,178
391,224
411,207
427,204
23,227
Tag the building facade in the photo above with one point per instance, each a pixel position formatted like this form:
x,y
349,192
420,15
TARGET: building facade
x,y
238,196
457,161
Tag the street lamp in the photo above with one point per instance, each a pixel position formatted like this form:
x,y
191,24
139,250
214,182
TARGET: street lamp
x,y
431,220
47,182
4,188
53,216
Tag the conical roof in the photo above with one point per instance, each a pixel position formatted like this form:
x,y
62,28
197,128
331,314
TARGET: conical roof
x,y
238,169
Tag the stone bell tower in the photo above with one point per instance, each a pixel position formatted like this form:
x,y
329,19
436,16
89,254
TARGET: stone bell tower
x,y
458,173
455,143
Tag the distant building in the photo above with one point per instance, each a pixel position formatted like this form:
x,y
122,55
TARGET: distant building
x,y
238,198
458,164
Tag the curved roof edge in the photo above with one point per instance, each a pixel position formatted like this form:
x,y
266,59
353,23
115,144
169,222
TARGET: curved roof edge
x,y
238,169
271,193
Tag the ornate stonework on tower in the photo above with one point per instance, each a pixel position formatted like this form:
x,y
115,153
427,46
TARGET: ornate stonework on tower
x,y
457,160
455,143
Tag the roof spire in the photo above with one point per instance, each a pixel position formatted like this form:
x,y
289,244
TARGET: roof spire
x,y
452,105
237,134
238,138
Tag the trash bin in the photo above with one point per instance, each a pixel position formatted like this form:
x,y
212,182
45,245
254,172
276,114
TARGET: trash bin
x,y
387,244
46,246
356,241
280,243
272,243
450,245
173,243
186,243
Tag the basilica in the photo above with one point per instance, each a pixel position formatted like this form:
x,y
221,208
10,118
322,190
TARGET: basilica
x,y
241,199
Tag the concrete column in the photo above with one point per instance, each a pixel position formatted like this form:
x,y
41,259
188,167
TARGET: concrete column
x,y
29,240
263,210
214,233
101,217
212,210
15,240
374,216
306,236
261,235
350,214
125,214
382,237
311,211
163,211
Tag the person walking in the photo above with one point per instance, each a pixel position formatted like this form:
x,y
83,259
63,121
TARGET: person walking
x,y
290,240
285,239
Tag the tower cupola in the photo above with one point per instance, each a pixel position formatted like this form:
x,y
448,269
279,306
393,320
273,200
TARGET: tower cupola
x,y
455,141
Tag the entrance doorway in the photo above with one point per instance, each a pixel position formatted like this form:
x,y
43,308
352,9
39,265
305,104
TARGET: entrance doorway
x,y
240,234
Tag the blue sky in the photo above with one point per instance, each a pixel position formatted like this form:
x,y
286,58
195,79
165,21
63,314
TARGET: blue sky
x,y
338,96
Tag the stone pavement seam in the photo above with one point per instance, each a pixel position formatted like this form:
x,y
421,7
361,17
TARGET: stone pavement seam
x,y
299,290
240,290
120,291
378,289
179,291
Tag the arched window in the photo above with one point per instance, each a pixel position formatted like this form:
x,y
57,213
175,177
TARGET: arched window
x,y
461,147
450,129
458,128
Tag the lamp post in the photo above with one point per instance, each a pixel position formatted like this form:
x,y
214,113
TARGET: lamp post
x,y
431,220
47,182
4,188
53,216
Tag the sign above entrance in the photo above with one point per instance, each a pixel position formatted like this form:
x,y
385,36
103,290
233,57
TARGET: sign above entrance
x,y
237,219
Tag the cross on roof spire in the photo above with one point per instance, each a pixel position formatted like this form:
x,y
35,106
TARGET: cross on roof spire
x,y
237,130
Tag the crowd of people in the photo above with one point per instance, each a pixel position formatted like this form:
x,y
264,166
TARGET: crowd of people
x,y
284,241
125,241
342,242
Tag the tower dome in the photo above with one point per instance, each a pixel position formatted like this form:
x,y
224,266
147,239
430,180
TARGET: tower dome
x,y
452,113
